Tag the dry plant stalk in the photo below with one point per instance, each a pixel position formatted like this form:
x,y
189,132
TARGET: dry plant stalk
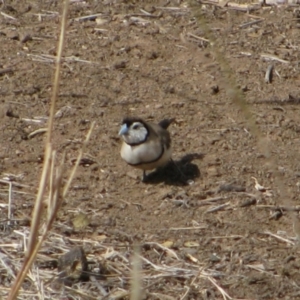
x,y
51,176
136,281
56,195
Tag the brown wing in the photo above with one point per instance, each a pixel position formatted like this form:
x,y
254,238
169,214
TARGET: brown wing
x,y
162,133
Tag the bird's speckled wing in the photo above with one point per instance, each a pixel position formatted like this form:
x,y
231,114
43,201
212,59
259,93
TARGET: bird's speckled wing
x,y
163,135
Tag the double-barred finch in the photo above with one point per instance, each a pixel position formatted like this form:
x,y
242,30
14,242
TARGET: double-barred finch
x,y
145,145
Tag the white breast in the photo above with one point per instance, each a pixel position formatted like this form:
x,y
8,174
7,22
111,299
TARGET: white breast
x,y
146,156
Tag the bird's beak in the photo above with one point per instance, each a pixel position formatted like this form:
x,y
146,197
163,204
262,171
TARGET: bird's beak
x,y
123,130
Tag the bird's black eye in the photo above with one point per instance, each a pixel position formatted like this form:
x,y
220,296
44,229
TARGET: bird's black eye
x,y
135,126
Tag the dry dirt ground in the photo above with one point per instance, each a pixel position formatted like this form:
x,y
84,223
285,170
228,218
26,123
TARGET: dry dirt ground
x,y
157,59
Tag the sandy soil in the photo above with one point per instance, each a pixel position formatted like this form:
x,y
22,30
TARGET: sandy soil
x,y
123,62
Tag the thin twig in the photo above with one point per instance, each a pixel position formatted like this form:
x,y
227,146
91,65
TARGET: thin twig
x,y
273,57
279,237
7,16
36,132
198,37
217,208
280,207
251,23
186,228
268,76
211,200
88,17
67,186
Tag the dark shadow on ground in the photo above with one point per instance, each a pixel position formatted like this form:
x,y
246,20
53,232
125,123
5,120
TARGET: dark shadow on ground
x,y
179,172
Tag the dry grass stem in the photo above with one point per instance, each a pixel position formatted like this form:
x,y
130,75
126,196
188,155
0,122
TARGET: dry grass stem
x,y
270,57
218,208
136,277
197,37
67,186
187,228
7,16
268,76
88,17
33,242
279,237
233,5
211,200
36,132
251,23
46,58
222,291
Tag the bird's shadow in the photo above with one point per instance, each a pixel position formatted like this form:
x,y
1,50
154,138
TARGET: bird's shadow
x,y
179,172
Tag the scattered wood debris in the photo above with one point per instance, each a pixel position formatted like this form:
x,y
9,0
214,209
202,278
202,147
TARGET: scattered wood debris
x,y
265,191
269,75
37,132
84,161
72,266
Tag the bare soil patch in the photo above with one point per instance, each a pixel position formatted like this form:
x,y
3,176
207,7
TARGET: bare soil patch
x,y
153,59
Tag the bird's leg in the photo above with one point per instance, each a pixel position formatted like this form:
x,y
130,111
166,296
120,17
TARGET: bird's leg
x,y
144,176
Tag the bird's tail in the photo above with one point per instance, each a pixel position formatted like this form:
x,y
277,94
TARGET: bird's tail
x,y
165,123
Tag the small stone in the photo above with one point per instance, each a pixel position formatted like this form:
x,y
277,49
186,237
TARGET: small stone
x,y
109,222
215,89
231,187
132,175
166,194
153,55
11,34
213,171
158,106
120,64
214,258
177,104
170,89
214,139
248,202
19,152
25,38
150,8
212,159
7,111
245,88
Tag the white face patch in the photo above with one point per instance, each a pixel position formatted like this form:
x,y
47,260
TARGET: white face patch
x,y
136,133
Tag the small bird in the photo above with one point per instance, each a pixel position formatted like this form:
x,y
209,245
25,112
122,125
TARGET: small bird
x,y
145,145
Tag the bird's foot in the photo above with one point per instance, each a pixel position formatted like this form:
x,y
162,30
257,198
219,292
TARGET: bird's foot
x,y
144,178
